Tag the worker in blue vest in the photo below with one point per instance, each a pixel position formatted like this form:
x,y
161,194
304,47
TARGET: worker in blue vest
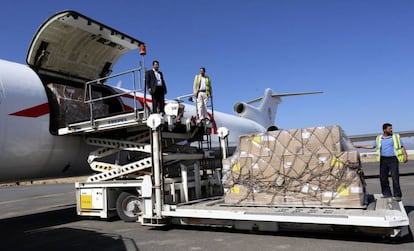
x,y
390,151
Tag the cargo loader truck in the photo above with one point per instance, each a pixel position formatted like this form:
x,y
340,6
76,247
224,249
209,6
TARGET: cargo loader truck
x,y
170,181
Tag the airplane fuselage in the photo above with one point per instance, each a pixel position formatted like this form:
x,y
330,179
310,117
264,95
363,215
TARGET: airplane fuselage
x,y
27,148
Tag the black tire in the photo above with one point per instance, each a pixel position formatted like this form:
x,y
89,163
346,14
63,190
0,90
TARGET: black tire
x,y
128,206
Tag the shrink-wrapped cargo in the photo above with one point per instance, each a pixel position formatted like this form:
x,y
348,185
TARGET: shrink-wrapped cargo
x,y
299,167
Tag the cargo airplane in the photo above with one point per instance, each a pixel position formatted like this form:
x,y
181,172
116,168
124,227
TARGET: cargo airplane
x,y
69,50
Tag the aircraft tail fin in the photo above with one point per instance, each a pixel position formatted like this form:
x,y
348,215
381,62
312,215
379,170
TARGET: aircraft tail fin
x,y
265,113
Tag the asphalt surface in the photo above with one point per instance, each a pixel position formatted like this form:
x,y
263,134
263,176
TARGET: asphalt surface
x,y
43,217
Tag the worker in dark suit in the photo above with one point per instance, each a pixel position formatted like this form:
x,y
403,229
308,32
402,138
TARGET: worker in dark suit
x,y
155,83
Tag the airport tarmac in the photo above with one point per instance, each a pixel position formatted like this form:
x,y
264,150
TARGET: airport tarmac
x,y
43,217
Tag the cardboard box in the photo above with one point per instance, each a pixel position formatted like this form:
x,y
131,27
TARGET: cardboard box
x,y
71,105
299,167
350,194
322,139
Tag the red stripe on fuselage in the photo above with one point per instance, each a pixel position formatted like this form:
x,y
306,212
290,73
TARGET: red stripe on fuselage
x,y
140,99
33,112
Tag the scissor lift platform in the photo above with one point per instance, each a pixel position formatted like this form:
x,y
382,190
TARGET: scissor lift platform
x,y
383,216
120,121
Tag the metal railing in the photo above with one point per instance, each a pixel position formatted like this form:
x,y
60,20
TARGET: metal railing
x,y
136,76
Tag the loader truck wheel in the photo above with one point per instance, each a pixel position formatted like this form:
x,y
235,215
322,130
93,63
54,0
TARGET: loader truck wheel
x,y
128,207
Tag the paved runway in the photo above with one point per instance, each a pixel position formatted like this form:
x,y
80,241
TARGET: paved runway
x,y
43,217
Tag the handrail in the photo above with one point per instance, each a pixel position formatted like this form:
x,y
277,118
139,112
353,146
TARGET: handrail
x,y
88,98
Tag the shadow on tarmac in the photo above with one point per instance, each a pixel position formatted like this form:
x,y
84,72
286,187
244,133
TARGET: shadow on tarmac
x,y
47,231
52,231
340,233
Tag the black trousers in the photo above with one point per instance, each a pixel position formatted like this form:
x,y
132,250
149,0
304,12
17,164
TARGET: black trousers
x,y
158,100
390,165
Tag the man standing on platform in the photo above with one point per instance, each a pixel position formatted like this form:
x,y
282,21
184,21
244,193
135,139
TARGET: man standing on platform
x,y
154,81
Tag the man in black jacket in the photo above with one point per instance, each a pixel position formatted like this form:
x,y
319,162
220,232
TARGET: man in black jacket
x,y
155,83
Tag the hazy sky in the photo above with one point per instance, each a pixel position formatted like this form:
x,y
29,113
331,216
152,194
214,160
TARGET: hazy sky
x,y
360,53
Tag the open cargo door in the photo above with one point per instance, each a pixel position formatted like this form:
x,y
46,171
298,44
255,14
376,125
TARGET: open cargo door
x,y
71,44
70,49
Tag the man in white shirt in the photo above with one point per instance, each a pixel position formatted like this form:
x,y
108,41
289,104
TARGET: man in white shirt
x,y
202,90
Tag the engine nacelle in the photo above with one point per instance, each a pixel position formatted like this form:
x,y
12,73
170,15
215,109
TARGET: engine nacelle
x,y
263,115
242,108
250,112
